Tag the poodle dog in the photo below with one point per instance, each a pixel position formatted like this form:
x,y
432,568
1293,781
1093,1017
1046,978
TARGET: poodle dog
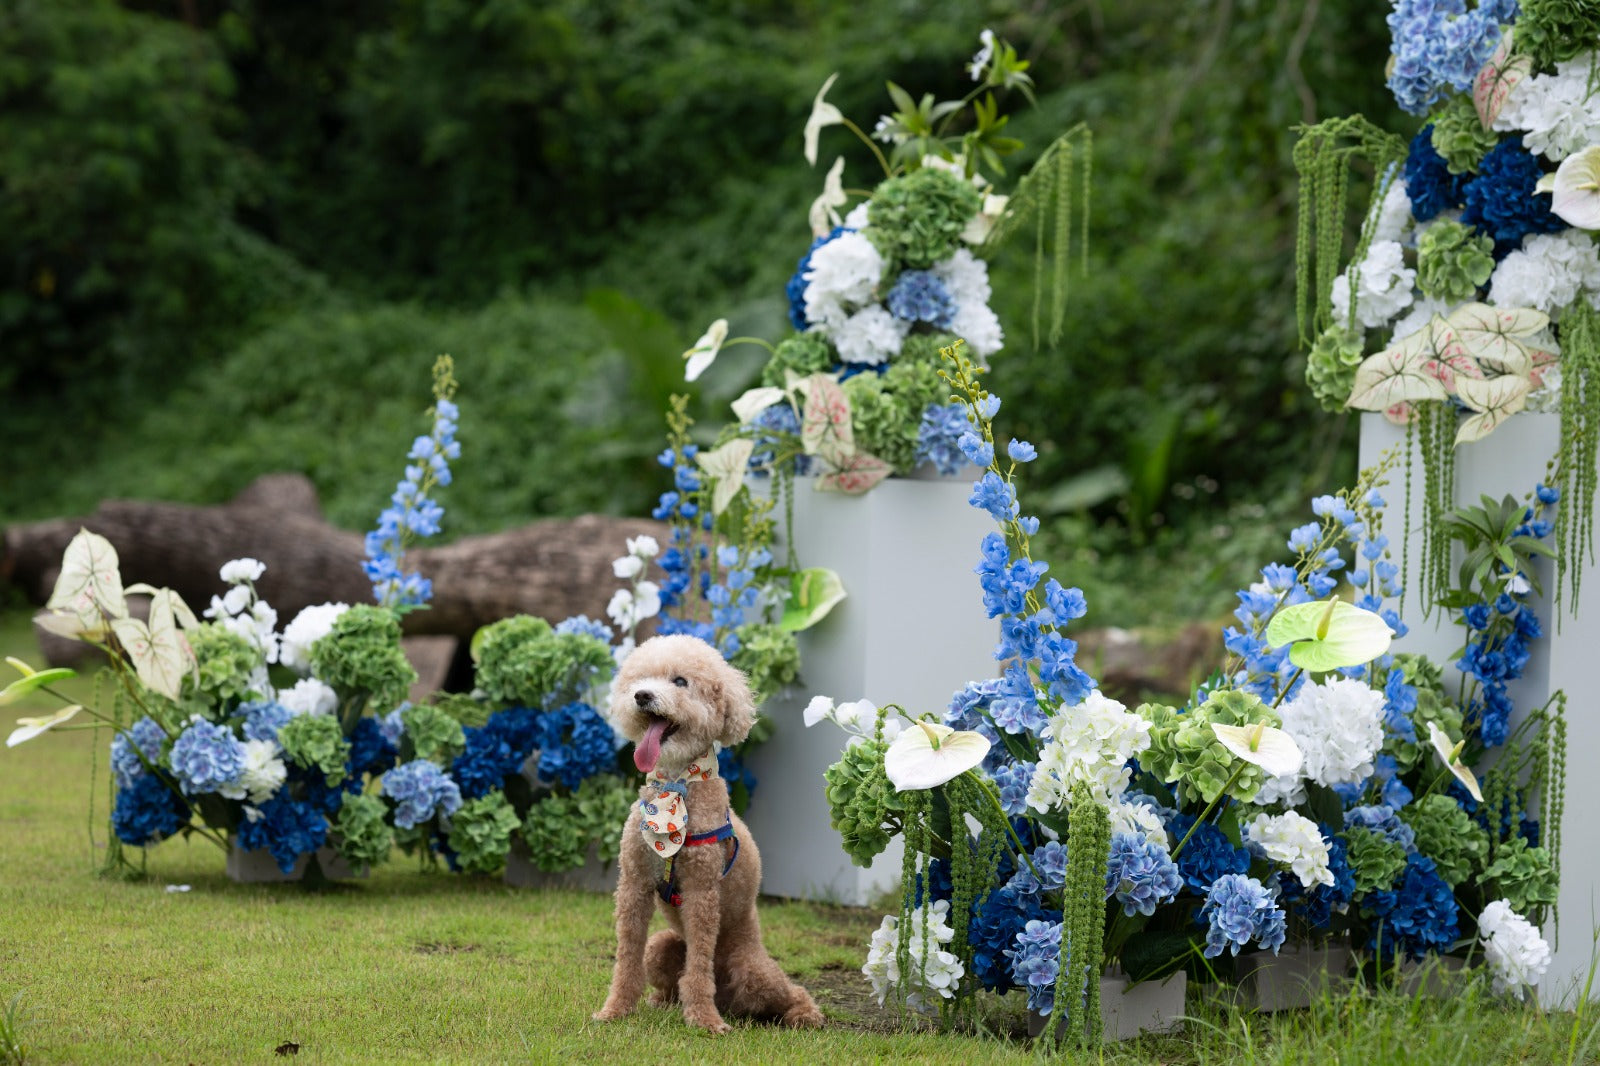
x,y
674,697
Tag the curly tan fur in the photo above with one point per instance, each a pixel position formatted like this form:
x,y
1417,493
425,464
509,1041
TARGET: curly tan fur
x,y
710,959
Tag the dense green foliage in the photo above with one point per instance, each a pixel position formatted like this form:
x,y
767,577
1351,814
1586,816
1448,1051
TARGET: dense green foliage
x,y
562,194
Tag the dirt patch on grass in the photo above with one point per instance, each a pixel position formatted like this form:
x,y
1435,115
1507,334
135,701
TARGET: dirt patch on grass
x,y
444,948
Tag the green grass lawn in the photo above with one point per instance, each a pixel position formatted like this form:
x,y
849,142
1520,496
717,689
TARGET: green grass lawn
x,y
421,966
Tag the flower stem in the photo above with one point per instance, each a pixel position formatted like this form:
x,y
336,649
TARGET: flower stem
x,y
1011,832
1237,770
882,160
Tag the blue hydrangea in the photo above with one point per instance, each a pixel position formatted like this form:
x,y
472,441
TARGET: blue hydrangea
x,y
207,758
1050,860
420,790
370,751
733,768
1430,185
1381,818
484,763
1208,856
1013,780
939,437
1239,909
1500,201
1140,874
1036,962
583,625
412,513
1418,916
146,811
919,296
287,829
993,930
1015,706
796,287
1318,904
774,423
263,719
1438,47
144,736
574,743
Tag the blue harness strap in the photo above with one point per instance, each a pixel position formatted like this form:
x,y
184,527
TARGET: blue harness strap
x,y
667,887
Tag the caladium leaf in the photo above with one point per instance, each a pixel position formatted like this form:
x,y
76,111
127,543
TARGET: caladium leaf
x,y
855,474
90,582
824,213
812,594
180,610
822,114
1498,336
1496,79
727,466
159,653
826,430
1401,373
1495,400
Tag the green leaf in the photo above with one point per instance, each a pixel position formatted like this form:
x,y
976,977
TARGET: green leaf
x,y
812,594
1229,824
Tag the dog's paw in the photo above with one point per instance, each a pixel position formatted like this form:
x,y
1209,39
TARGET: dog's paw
x,y
609,1013
711,1022
804,1016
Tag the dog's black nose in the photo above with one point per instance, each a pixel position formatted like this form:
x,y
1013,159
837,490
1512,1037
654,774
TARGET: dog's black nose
x,y
644,697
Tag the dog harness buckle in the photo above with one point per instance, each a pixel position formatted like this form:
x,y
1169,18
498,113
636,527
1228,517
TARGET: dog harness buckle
x,y
667,887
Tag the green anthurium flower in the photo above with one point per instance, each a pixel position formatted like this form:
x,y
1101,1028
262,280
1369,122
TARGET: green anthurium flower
x,y
1328,635
813,592
31,680
28,728
1450,754
928,754
1271,749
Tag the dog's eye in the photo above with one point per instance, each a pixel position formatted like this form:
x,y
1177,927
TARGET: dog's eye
x,y
680,682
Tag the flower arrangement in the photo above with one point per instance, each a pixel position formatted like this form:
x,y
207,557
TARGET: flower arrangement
x,y
1318,788
853,394
1473,289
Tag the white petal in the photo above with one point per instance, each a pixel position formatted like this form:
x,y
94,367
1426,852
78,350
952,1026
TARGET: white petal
x,y
756,400
912,762
822,114
1271,749
28,728
819,708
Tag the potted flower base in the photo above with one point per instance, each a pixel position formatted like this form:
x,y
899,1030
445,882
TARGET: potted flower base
x,y
259,867
592,876
1296,977
1128,1008
912,629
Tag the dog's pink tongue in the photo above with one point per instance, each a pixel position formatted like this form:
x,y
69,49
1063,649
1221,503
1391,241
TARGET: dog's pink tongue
x,y
647,752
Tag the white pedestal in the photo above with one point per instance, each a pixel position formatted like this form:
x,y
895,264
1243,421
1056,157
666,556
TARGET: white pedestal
x,y
259,867
592,876
912,630
1512,460
1126,1009
1296,977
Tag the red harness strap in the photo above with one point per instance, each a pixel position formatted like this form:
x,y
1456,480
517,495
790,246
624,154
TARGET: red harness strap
x,y
667,887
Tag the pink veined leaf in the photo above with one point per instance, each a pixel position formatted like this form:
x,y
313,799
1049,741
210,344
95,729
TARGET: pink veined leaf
x,y
1398,374
1496,79
159,653
1496,336
1447,369
1399,414
90,579
858,473
1495,400
826,430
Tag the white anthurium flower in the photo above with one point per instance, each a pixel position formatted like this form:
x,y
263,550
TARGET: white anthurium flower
x,y
1271,749
928,754
705,350
1575,188
825,208
756,400
978,227
1450,754
822,114
820,709
28,728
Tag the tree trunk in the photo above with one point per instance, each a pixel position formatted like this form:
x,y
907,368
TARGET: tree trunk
x,y
553,568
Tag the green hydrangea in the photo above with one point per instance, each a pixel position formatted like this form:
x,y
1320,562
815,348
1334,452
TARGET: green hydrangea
x,y
1458,846
769,656
430,733
803,353
1375,860
360,658
916,220
1185,750
1554,31
363,836
886,410
1453,261
480,833
559,829
860,799
226,662
315,741
1459,136
1432,706
1331,365
521,661
923,348
1524,875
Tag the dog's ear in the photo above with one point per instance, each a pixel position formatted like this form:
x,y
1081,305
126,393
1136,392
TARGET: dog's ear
x,y
738,706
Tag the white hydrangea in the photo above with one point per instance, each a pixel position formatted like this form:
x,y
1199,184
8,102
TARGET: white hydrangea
x,y
1517,954
1386,286
308,627
1090,742
842,276
1295,841
1420,315
1139,819
871,335
965,277
264,772
1547,273
1338,724
1555,112
980,328
857,218
1394,213
237,571
309,696
938,971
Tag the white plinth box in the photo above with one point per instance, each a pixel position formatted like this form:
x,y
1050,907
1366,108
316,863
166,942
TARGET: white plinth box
x,y
911,631
1511,461
1128,1009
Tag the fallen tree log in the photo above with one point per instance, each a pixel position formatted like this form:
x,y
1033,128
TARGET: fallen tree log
x,y
553,568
